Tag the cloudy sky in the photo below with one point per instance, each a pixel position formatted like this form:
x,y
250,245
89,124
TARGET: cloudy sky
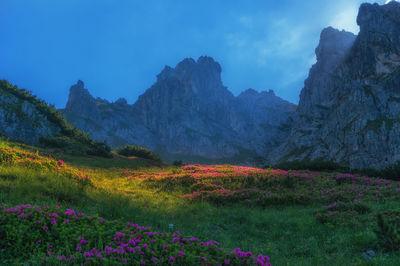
x,y
118,47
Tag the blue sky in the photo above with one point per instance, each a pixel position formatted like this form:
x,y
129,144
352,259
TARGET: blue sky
x,y
118,47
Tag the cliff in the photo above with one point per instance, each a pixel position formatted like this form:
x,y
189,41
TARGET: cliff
x,y
349,107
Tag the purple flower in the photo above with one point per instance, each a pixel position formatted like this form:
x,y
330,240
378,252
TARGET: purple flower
x,y
70,212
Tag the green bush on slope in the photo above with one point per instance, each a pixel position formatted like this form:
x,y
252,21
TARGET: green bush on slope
x,y
138,151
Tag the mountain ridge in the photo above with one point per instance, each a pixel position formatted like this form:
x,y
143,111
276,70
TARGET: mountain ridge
x,y
188,111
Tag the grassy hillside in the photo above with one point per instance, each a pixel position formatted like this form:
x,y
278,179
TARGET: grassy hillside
x,y
70,138
294,217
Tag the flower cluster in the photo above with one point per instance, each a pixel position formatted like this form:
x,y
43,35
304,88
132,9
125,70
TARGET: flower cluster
x,y
227,184
348,195
35,161
71,237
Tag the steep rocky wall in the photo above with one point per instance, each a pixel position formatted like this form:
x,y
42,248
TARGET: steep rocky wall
x,y
349,109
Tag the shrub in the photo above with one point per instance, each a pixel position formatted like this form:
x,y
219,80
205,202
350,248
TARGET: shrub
x,y
388,231
138,151
100,149
6,157
391,171
178,163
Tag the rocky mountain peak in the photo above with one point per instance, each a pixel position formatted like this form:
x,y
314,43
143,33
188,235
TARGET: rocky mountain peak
x,y
207,62
332,47
121,101
332,50
190,79
248,93
372,16
380,38
202,75
81,102
165,73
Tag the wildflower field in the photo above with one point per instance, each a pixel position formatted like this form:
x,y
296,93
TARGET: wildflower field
x,y
67,210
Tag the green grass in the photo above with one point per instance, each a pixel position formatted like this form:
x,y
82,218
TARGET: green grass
x,y
289,234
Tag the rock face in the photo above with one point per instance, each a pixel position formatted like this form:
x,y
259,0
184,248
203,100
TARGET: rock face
x,y
349,109
20,120
188,113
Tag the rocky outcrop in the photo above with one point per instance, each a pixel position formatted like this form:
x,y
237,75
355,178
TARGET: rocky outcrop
x,y
81,103
20,120
188,113
349,107
114,123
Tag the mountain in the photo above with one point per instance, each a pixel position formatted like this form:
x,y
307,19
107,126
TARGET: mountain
x,y
25,118
349,109
188,113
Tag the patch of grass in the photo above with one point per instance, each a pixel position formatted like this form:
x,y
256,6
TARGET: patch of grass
x,y
287,231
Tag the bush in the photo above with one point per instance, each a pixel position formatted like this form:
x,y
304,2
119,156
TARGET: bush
x,y
390,172
178,163
388,232
138,151
100,149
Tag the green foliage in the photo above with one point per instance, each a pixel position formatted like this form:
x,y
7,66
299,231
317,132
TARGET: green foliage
x,y
100,149
71,138
342,213
178,163
389,172
137,151
388,231
6,157
55,236
322,107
